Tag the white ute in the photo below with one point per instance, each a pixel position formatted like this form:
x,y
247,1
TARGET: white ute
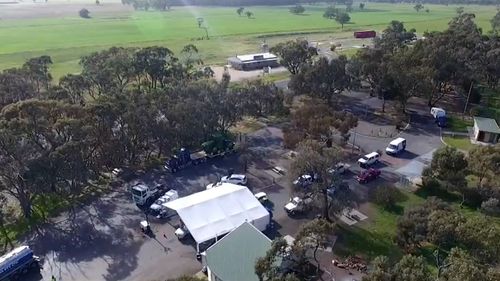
x,y
297,205
396,146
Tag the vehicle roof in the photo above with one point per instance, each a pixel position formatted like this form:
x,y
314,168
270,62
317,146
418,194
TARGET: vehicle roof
x,y
171,192
372,154
140,187
237,176
260,194
397,141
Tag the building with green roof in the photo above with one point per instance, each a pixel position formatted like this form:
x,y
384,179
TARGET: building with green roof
x,y
486,130
233,257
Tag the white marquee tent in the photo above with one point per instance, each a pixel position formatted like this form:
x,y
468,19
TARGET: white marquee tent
x,y
219,210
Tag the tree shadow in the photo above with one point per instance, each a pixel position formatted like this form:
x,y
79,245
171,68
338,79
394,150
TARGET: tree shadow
x,y
354,240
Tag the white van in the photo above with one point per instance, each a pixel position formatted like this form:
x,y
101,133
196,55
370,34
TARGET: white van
x,y
437,112
369,159
396,146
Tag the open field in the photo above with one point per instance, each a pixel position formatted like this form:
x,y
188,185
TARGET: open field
x,y
28,30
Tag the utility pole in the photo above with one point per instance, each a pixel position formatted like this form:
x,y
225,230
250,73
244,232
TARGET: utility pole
x,y
353,141
468,96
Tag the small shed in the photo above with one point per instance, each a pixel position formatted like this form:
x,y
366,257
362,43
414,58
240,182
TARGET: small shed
x,y
486,130
254,61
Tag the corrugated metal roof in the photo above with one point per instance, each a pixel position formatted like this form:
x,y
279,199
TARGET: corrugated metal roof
x,y
233,257
487,125
259,56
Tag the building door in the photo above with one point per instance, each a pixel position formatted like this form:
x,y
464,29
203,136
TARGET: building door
x,y
480,136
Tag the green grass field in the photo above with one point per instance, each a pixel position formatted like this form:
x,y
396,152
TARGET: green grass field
x,y
68,37
459,142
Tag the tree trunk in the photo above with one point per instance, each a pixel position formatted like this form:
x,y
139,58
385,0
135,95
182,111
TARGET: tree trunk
x,y
318,268
5,234
325,208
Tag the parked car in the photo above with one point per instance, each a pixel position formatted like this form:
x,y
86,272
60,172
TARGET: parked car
x,y
261,196
235,179
297,205
304,180
332,191
368,175
369,159
339,169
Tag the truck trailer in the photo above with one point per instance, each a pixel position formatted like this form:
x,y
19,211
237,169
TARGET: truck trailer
x,y
217,146
17,263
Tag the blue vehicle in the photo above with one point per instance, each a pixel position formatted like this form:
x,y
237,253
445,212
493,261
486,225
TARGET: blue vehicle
x,y
17,262
218,145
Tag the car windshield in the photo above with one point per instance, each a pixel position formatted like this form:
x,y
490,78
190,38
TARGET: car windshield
x,y
365,158
392,146
136,192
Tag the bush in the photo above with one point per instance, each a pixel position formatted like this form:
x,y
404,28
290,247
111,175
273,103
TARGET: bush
x,y
386,196
84,13
491,206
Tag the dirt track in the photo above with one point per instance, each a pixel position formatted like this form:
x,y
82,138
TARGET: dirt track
x,y
60,9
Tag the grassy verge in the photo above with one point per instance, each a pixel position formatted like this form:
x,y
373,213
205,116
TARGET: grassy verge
x,y
247,126
277,76
460,142
375,236
457,124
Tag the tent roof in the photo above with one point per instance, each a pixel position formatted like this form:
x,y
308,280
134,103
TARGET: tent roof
x,y
217,211
234,256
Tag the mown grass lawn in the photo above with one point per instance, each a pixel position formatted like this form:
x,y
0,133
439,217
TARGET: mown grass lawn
x,y
66,39
375,236
462,143
458,124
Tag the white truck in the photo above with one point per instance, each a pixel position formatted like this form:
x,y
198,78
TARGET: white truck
x,y
396,146
297,205
18,262
143,194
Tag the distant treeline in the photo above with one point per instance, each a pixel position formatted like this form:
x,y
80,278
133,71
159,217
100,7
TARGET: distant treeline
x,y
234,2
442,2
238,3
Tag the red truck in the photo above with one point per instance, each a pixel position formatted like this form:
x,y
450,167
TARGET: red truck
x,y
365,34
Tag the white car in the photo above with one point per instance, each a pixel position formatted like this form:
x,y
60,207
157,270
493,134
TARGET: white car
x,y
339,169
304,180
261,196
181,232
235,179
